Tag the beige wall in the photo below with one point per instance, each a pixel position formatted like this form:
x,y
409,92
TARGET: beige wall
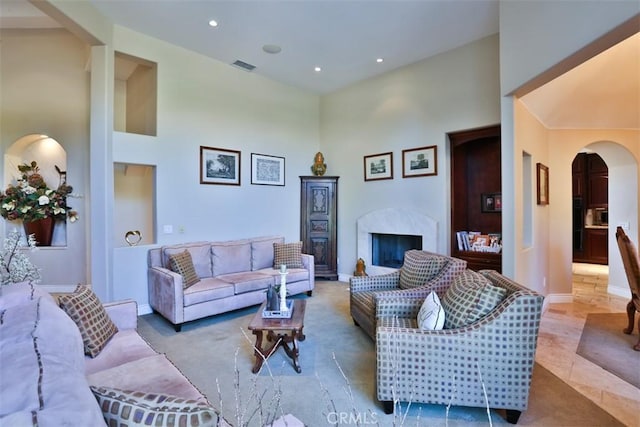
x,y
45,90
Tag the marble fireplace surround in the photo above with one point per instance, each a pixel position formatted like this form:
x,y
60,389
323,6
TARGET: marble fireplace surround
x,y
394,221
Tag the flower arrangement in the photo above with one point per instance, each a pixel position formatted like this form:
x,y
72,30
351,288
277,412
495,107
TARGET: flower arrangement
x,y
31,199
15,266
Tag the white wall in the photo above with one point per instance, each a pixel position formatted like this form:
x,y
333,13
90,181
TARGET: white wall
x,y
411,107
202,102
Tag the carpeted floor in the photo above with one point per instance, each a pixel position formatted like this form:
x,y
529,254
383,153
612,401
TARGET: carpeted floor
x,y
603,343
337,383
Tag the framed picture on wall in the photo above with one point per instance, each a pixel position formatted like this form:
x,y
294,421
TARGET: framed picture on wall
x,y
378,166
219,166
491,202
267,170
542,180
421,161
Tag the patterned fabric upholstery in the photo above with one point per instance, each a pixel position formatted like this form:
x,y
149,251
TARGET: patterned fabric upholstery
x,y
450,366
289,254
182,264
86,310
125,408
367,291
470,298
419,268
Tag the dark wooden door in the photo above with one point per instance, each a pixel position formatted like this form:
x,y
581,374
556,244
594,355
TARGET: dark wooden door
x,y
319,223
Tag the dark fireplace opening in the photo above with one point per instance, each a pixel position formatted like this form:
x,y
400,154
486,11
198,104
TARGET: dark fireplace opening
x,y
388,249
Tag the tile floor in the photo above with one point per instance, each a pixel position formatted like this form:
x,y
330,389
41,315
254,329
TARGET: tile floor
x,y
560,331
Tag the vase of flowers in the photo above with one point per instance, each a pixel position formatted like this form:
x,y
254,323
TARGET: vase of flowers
x,y
37,205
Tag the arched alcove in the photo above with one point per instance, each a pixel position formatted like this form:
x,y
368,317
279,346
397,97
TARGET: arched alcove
x,y
49,154
622,204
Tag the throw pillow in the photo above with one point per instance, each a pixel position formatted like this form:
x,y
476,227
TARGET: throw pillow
x,y
470,297
289,254
182,264
95,325
431,314
130,408
419,268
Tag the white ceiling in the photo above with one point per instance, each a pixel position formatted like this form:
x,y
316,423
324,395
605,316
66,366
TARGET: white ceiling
x,y
345,37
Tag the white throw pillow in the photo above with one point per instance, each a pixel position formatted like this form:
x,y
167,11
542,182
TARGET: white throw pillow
x,y
431,314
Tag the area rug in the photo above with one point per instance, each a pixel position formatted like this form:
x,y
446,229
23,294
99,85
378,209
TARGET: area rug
x,y
604,344
337,382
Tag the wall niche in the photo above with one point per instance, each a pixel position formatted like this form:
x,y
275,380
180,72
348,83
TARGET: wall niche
x,y
135,95
49,154
134,201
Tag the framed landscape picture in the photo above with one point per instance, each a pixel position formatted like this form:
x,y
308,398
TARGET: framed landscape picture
x,y
267,170
421,161
378,166
219,166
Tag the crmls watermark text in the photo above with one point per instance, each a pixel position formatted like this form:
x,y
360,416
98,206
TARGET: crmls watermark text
x,y
357,418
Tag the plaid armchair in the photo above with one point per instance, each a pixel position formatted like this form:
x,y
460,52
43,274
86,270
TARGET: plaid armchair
x,y
450,366
420,273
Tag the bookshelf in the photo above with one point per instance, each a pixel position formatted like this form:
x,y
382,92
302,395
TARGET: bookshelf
x,y
476,198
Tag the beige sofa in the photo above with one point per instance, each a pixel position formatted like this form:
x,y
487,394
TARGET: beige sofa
x,y
233,274
46,377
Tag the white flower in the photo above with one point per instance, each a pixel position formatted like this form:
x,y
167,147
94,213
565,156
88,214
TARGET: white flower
x,y
58,210
25,209
29,189
15,266
9,206
43,200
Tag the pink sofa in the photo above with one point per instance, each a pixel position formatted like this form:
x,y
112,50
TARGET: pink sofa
x,y
45,375
233,274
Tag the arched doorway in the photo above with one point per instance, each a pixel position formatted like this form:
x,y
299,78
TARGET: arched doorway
x,y
620,208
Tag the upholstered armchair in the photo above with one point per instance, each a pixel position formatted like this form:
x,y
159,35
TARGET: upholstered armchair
x,y
494,353
420,273
631,264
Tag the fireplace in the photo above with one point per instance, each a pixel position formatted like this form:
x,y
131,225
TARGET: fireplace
x,y
398,221
388,249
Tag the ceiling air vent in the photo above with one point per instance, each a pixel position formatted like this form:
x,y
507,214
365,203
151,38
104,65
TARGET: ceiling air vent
x,y
245,66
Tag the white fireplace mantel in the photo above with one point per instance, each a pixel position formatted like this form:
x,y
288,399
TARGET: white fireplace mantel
x,y
394,221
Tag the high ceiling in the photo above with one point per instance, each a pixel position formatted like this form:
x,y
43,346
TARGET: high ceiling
x,y
346,37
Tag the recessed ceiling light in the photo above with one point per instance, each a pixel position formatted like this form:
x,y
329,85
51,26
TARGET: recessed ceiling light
x,y
379,60
213,23
317,69
271,48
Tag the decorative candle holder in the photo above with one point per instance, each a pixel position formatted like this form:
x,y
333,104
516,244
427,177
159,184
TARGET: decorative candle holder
x,y
283,290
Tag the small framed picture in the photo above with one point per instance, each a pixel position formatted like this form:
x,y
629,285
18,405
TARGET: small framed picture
x,y
267,170
542,175
219,166
491,202
378,166
421,161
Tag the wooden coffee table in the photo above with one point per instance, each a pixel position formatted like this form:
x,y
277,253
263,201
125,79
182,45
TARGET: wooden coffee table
x,y
283,333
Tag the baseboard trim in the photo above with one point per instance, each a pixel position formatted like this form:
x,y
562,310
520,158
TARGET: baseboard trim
x,y
620,292
144,309
559,298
